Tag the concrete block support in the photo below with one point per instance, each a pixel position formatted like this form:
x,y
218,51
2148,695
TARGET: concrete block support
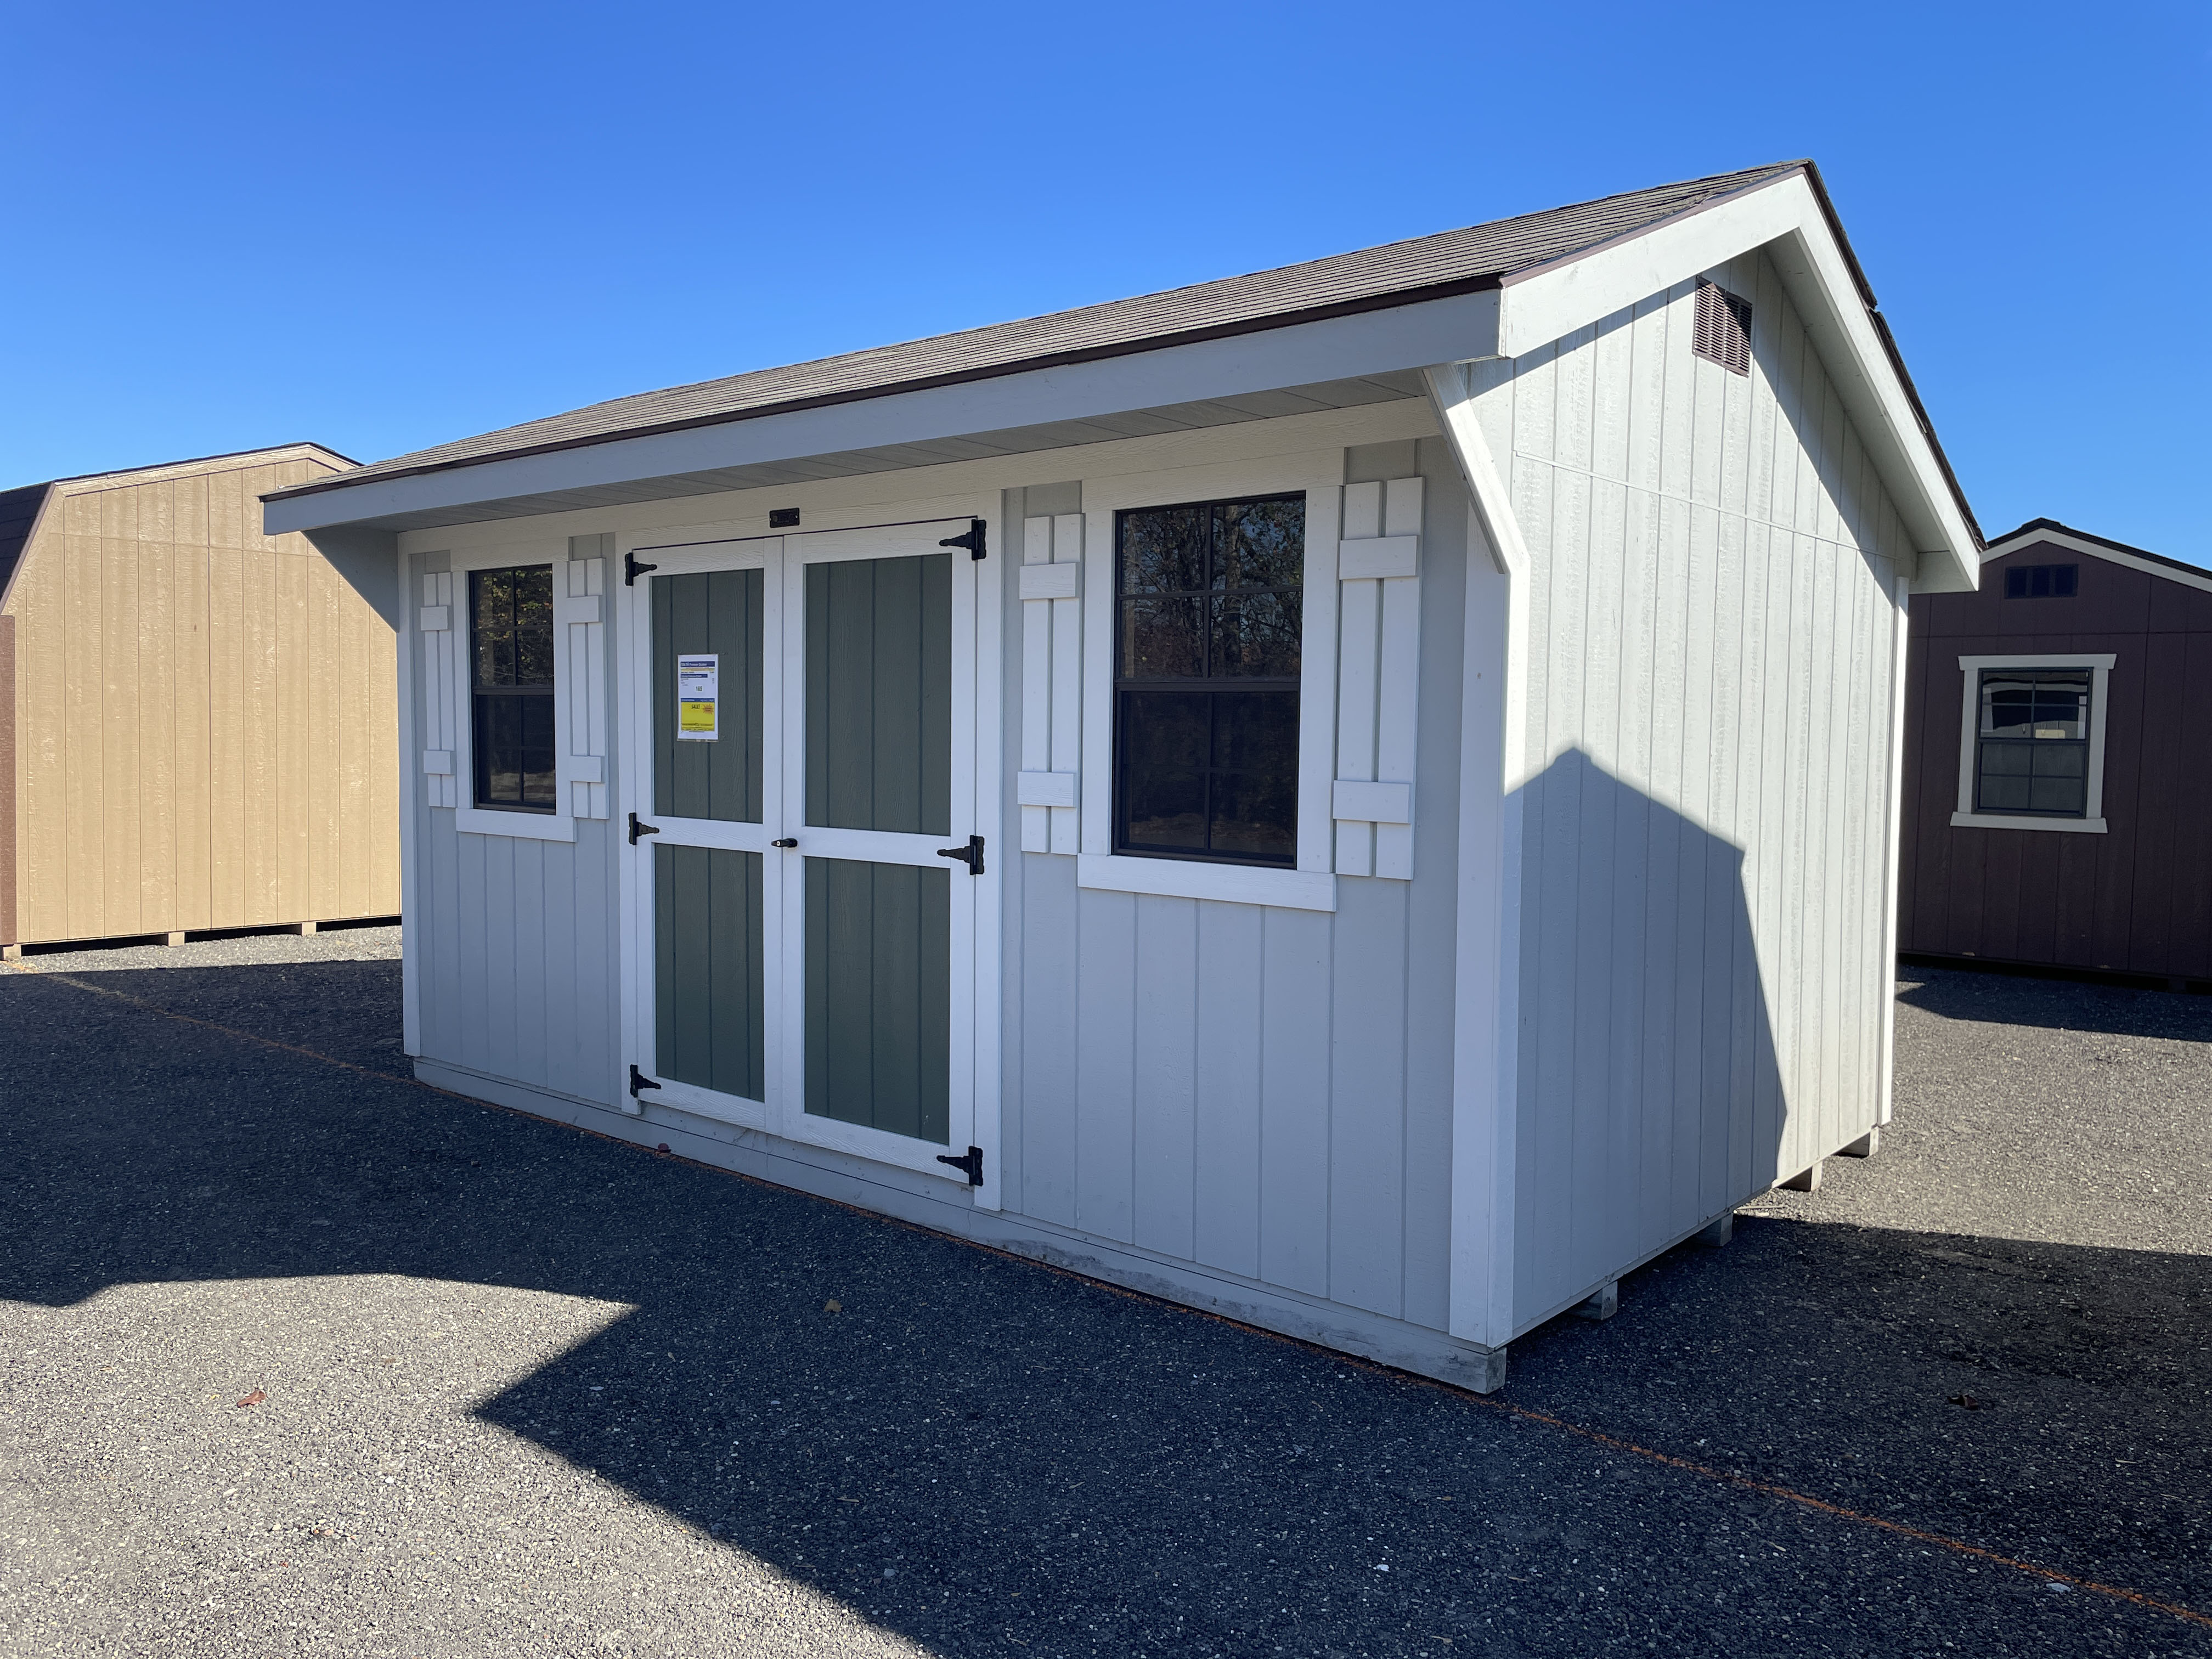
x,y
1865,1147
172,939
1805,1181
1601,1303
1715,1233
305,929
11,953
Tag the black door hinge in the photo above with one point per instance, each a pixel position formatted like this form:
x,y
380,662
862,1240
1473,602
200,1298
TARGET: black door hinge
x,y
973,541
637,828
633,568
971,854
971,1165
640,1080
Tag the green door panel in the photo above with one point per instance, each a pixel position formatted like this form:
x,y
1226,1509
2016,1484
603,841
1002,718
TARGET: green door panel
x,y
720,611
879,694
708,970
878,960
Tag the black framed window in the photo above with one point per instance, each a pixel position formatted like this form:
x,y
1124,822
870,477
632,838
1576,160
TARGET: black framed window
x,y
510,687
2042,582
2031,752
1210,606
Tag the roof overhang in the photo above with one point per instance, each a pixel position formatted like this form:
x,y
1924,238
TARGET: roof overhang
x,y
1791,220
1368,357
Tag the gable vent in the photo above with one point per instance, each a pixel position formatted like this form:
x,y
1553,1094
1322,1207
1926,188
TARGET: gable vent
x,y
1722,330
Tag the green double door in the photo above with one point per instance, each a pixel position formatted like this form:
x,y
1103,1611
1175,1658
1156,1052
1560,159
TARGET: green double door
x,y
804,941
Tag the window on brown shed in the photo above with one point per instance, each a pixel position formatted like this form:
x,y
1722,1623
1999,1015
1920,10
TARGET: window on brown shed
x,y
2042,582
2032,748
510,687
1211,603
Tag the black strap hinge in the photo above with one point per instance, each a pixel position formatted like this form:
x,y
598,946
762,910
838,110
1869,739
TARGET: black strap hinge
x,y
640,1080
973,541
971,854
633,568
637,828
971,1165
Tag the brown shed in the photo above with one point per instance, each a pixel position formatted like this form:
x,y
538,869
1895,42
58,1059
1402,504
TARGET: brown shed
x,y
198,721
2057,811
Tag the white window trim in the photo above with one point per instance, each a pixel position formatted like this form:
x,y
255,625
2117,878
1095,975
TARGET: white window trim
x,y
1310,884
1971,668
560,823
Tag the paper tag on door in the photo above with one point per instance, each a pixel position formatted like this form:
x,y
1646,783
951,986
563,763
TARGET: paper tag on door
x,y
698,683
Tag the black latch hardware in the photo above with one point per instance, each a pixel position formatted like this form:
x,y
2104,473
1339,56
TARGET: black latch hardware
x,y
637,828
971,1165
973,541
633,568
640,1080
782,517
971,854
785,840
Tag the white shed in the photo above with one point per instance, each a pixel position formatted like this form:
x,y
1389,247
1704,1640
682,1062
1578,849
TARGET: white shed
x,y
1362,797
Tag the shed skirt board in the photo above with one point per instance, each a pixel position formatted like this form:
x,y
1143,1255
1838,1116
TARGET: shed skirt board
x,y
866,1184
810,947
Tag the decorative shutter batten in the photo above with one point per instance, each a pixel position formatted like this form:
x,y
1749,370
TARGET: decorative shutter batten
x,y
1378,677
1048,791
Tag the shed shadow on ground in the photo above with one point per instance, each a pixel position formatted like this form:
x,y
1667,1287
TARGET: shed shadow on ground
x,y
2054,1003
1041,1464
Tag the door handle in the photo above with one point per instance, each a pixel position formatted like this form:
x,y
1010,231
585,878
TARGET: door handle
x,y
971,854
637,828
788,840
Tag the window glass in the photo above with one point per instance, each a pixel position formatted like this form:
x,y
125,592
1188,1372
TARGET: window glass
x,y
1210,611
511,689
2033,751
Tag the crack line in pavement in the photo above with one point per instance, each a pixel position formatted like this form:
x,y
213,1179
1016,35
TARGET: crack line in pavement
x,y
1596,1437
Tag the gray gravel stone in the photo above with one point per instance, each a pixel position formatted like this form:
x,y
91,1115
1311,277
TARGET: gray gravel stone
x,y
525,1391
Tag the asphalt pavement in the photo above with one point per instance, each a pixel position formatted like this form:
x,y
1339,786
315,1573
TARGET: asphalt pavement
x,y
300,1357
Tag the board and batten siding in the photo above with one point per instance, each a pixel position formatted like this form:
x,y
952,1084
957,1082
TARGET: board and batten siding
x,y
1704,783
516,940
1264,1092
203,714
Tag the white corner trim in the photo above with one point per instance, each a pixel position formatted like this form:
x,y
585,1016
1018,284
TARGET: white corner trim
x,y
1453,401
2021,543
520,826
2092,823
1234,883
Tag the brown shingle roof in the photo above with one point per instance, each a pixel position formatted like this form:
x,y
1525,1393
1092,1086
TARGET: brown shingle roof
x,y
1396,273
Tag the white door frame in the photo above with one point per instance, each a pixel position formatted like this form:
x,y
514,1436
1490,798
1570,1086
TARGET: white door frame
x,y
977,788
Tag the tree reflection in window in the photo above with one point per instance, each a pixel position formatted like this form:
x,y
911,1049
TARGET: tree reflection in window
x,y
510,687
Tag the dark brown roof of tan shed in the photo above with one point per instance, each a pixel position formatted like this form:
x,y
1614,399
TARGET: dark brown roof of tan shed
x,y
1396,273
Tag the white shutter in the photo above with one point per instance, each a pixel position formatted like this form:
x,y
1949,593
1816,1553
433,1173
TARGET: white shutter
x,y
579,677
1052,686
441,689
1378,677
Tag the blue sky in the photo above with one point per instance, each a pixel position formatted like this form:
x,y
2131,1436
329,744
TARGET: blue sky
x,y
382,227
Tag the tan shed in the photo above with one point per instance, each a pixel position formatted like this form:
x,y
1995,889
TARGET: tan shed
x,y
197,722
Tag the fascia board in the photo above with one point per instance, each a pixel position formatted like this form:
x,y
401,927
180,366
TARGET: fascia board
x,y
1340,348
2110,555
1784,218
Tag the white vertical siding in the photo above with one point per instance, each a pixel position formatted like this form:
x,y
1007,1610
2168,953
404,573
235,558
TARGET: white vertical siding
x,y
1708,692
1264,1092
515,939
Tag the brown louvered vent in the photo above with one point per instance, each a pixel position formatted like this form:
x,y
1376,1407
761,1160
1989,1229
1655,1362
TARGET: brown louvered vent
x,y
1723,331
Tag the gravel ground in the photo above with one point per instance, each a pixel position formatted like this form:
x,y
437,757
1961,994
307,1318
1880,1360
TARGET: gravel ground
x,y
519,1390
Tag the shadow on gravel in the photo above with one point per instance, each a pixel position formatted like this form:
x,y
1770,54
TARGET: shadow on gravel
x,y
986,1456
2061,1005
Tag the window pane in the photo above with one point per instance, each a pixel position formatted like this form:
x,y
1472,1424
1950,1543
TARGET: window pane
x,y
498,742
536,757
1163,550
1162,640
1255,635
1259,543
1255,806
1164,741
